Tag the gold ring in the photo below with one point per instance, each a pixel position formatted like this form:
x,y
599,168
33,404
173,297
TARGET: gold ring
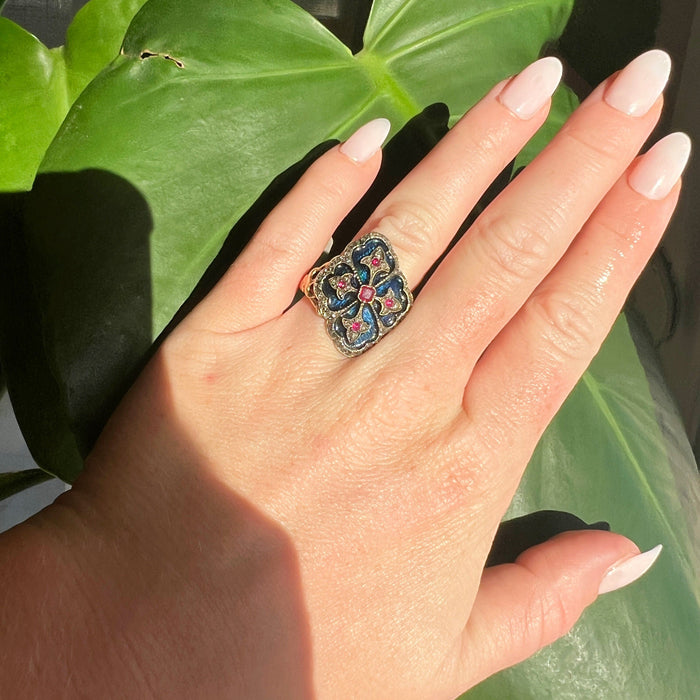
x,y
361,293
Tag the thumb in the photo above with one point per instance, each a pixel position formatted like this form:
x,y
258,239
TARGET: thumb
x,y
524,606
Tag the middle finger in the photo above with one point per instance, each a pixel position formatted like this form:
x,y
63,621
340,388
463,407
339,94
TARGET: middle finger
x,y
423,212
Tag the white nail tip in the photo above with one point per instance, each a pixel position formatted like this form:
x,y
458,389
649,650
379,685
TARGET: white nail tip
x,y
528,92
367,140
639,84
658,171
628,570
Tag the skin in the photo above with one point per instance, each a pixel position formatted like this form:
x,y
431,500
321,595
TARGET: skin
x,y
263,517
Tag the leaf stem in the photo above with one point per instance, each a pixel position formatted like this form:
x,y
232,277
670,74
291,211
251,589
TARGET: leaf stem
x,y
384,82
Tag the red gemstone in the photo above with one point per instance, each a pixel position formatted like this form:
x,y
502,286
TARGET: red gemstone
x,y
356,326
375,261
341,284
366,294
389,302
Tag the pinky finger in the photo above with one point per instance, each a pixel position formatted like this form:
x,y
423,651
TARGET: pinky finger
x,y
522,607
263,280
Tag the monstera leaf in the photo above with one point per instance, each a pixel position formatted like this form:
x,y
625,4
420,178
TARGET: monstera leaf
x,y
173,142
40,84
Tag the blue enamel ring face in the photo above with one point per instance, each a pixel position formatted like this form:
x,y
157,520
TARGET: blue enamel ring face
x,y
361,294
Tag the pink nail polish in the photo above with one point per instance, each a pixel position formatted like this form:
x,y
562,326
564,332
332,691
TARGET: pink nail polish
x,y
638,86
628,570
660,168
366,141
529,91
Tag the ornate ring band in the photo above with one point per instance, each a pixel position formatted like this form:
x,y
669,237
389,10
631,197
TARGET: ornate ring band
x,y
360,293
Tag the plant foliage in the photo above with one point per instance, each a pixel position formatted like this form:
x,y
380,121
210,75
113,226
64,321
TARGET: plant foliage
x,y
162,165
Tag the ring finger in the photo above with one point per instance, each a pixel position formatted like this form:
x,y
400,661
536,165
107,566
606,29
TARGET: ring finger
x,y
419,217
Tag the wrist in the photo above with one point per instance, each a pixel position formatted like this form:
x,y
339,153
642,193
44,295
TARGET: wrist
x,y
54,625
145,610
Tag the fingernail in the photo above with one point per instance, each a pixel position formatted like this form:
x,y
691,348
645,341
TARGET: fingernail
x,y
628,570
366,141
660,168
528,92
638,86
329,246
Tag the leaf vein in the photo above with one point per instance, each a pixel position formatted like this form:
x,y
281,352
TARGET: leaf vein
x,y
475,20
591,384
223,77
395,17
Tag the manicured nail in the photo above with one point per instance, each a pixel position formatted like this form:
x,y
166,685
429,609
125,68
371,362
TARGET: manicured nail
x,y
528,92
366,141
628,570
660,168
329,246
638,86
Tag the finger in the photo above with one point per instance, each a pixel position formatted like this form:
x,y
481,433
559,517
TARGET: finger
x,y
521,236
422,214
522,607
263,280
529,369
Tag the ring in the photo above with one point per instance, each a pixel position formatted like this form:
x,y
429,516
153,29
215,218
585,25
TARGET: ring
x,y
361,294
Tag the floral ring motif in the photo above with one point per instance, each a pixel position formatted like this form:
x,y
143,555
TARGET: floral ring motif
x,y
361,294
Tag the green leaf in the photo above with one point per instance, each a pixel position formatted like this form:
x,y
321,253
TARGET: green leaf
x,y
32,107
40,84
36,400
605,457
189,124
14,482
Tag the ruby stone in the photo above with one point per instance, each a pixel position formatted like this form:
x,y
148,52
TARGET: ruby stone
x,y
366,294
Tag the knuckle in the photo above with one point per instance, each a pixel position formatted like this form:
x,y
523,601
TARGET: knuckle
x,y
567,323
331,189
411,225
516,248
622,235
277,247
552,608
551,617
467,479
605,147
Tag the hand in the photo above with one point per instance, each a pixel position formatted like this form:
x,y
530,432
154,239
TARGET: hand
x,y
263,517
